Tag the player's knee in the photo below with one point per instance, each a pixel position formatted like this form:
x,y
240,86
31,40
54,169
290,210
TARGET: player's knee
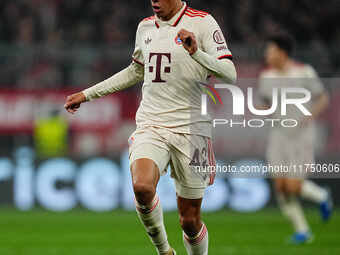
x,y
144,192
190,224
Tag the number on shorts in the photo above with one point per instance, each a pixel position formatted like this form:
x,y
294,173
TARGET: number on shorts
x,y
195,161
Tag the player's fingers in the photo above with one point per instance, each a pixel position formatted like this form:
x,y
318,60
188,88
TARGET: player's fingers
x,y
181,37
185,38
191,36
68,104
68,101
182,31
182,34
72,105
72,109
73,100
75,106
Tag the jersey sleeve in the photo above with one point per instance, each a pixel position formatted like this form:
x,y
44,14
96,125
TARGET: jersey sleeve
x,y
313,82
126,78
213,40
137,55
213,53
264,92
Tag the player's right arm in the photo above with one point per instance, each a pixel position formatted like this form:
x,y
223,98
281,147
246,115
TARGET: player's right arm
x,y
214,54
120,81
126,78
320,98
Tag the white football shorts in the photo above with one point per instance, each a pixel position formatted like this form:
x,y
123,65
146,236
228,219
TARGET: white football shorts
x,y
185,153
294,152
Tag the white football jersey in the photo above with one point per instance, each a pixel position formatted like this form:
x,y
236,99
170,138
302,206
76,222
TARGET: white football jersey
x,y
171,97
296,76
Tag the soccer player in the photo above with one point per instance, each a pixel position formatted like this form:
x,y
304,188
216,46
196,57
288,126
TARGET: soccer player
x,y
176,48
294,146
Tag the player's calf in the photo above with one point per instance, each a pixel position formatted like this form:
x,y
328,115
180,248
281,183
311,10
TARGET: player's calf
x,y
190,215
195,233
190,223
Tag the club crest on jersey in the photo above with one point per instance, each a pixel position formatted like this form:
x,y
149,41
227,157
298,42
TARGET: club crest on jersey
x,y
178,40
131,140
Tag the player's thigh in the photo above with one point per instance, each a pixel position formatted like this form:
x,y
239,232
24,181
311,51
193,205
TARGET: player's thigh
x,y
279,185
144,171
146,162
293,185
275,150
191,181
302,155
146,144
277,158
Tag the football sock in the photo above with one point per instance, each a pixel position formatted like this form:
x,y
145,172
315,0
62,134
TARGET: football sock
x,y
197,245
152,218
292,209
313,192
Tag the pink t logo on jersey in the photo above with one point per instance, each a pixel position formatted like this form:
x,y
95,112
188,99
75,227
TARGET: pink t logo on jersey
x,y
167,69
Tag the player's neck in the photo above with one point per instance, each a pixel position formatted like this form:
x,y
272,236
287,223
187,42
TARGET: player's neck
x,y
177,7
284,65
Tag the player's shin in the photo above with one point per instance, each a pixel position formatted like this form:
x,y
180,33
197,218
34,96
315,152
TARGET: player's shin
x,y
291,207
197,245
152,218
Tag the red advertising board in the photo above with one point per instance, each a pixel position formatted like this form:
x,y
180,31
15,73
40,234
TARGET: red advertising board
x,y
19,110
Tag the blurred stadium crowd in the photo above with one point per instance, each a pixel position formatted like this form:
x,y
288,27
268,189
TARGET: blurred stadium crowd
x,y
58,43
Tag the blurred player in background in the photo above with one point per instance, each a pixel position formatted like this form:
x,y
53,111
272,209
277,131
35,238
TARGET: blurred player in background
x,y
174,50
294,146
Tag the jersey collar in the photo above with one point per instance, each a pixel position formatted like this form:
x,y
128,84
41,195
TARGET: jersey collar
x,y
174,20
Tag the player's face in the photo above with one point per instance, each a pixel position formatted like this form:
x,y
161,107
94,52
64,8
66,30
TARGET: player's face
x,y
274,56
163,8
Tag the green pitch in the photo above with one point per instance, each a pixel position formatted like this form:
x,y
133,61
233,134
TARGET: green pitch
x,y
85,233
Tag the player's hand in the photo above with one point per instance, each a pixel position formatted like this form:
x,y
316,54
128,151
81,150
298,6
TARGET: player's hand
x,y
189,41
73,102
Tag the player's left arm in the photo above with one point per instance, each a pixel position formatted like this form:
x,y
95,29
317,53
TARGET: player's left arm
x,y
321,104
264,99
214,54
